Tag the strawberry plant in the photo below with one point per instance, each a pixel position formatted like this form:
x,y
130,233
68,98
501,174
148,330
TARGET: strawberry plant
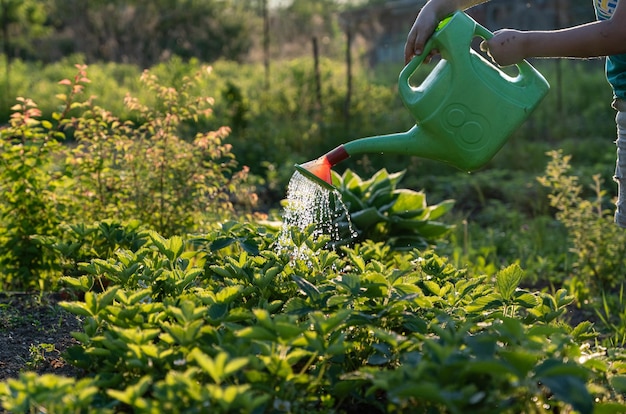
x,y
220,322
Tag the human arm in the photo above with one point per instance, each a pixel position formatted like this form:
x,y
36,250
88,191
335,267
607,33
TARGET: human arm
x,y
601,38
427,19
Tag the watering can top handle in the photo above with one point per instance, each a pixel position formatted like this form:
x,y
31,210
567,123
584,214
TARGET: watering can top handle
x,y
525,69
417,60
414,63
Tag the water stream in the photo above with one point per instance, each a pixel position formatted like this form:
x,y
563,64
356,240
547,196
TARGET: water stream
x,y
310,204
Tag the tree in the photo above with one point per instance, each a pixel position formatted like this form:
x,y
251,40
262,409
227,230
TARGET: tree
x,y
146,32
20,22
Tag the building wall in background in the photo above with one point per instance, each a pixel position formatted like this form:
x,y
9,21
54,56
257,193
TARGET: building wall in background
x,y
384,27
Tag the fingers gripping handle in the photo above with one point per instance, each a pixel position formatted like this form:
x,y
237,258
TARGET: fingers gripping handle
x,y
415,63
458,42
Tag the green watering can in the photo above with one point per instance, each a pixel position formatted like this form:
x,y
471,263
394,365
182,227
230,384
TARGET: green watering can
x,y
465,109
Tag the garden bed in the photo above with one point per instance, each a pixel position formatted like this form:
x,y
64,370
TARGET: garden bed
x,y
34,332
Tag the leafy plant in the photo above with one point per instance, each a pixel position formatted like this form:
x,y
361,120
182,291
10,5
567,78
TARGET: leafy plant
x,y
37,354
201,324
82,243
58,394
147,170
379,211
29,201
598,245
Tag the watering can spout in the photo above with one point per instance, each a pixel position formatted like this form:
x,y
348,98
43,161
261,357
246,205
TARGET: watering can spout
x,y
318,170
410,142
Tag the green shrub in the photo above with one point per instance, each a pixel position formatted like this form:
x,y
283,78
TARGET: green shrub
x,y
30,203
148,170
598,245
80,243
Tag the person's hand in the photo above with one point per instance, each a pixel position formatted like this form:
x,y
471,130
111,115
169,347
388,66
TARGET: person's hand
x,y
506,47
420,32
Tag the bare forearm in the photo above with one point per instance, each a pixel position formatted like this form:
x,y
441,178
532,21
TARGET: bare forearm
x,y
590,40
585,41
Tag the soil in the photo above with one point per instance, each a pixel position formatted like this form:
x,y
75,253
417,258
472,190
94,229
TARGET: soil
x,y
34,333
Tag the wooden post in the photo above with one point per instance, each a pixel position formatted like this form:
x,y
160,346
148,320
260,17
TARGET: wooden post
x,y
561,21
346,107
266,43
7,54
318,78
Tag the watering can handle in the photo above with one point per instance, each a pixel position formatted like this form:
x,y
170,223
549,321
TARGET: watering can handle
x,y
417,60
415,63
481,31
526,72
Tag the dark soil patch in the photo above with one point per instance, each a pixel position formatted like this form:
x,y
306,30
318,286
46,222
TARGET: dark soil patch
x,y
34,333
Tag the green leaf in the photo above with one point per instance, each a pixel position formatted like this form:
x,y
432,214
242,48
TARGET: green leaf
x,y
508,279
132,394
433,287
618,382
263,318
221,243
288,330
409,203
521,360
228,293
325,324
383,198
107,297
350,282
486,302
250,247
221,271
220,367
358,261
158,240
82,283
440,209
571,390
366,218
583,331
297,306
526,299
257,333
309,289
